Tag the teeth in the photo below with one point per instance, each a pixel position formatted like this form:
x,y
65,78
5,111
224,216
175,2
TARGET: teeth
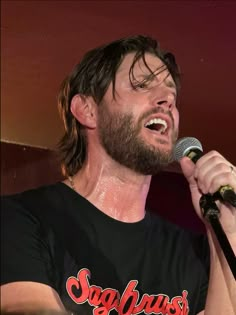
x,y
158,121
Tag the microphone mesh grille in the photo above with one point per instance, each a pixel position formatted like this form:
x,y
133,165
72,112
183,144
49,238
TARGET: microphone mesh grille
x,y
183,146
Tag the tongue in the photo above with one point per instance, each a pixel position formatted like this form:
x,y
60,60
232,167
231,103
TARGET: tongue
x,y
157,127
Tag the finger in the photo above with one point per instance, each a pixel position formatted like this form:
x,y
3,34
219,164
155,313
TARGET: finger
x,y
217,178
188,168
206,162
222,180
210,172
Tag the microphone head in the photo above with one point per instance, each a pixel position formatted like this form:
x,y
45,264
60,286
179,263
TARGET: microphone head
x,y
184,145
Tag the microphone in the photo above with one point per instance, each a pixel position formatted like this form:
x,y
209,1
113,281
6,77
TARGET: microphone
x,y
192,148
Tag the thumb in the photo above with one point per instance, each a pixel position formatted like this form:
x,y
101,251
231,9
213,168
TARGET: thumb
x,y
188,168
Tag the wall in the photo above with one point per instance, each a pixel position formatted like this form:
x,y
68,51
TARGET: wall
x,y
24,167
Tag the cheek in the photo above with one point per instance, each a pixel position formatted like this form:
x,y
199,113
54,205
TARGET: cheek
x,y
176,118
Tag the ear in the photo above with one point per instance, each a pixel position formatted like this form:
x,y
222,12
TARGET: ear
x,y
84,109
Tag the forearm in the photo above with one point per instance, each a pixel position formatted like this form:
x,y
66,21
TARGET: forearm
x,y
221,297
24,296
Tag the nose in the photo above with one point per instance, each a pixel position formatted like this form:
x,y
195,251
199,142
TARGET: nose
x,y
166,100
164,95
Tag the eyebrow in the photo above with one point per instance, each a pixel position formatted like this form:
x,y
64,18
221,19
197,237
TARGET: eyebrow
x,y
152,76
170,84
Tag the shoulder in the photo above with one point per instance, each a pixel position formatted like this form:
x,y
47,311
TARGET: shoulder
x,y
29,225
33,212
33,202
40,212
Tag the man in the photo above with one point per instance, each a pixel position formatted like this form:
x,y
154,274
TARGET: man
x,y
88,245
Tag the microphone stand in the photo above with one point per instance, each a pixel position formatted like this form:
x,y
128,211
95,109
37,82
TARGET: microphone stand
x,y
211,212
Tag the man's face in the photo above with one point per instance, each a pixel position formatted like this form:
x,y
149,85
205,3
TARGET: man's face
x,y
140,126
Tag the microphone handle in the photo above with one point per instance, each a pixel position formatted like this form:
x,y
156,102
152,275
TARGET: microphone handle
x,y
226,193
211,212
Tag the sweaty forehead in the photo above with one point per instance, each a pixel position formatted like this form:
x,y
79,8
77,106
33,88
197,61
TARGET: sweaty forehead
x,y
152,61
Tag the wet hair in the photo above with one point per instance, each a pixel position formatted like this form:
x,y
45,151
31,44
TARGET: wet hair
x,y
92,77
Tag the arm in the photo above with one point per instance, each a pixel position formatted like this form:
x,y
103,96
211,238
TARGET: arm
x,y
24,296
221,295
211,172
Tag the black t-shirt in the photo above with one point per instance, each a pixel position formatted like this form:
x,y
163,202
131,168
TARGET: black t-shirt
x,y
97,264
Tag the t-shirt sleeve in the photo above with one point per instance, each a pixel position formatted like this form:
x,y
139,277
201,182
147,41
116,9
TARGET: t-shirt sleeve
x,y
25,253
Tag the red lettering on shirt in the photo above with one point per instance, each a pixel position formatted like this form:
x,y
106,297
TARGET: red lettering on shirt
x,y
105,300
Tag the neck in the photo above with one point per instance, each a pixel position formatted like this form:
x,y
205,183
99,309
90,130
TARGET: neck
x,y
115,190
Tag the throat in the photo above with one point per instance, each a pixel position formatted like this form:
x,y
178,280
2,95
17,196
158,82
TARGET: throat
x,y
122,205
121,196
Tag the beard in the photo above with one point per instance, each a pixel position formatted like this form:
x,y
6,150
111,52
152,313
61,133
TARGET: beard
x,y
119,136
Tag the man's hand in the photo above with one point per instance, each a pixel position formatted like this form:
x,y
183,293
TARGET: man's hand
x,y
206,176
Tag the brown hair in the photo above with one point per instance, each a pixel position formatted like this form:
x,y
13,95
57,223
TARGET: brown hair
x,y
91,77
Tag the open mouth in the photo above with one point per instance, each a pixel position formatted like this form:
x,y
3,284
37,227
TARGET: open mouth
x,y
157,124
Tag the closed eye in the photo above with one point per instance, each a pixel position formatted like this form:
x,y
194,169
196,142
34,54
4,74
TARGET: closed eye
x,y
141,85
144,84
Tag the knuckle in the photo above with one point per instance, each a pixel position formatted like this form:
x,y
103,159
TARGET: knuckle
x,y
215,159
222,166
212,153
